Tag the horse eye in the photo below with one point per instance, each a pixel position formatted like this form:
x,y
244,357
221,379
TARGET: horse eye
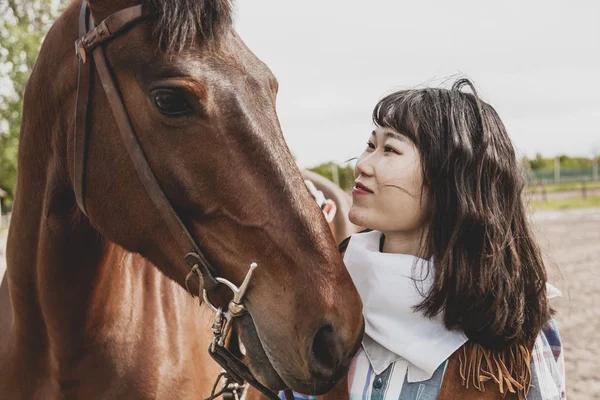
x,y
171,102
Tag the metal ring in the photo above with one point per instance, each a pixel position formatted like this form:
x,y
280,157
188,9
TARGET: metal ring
x,y
207,302
222,281
238,292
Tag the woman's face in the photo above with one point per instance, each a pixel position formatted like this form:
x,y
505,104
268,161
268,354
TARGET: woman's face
x,y
388,182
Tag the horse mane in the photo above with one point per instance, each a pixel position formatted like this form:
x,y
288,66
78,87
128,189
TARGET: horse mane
x,y
180,23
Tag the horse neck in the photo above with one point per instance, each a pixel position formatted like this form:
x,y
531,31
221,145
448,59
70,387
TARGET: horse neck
x,y
62,274
75,294
64,278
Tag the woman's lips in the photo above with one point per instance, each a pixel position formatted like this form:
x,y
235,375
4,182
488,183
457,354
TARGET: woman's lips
x,y
359,188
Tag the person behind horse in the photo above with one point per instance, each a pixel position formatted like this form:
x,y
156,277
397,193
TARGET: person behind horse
x,y
453,284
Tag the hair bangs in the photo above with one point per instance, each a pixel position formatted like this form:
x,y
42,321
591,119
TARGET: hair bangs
x,y
399,111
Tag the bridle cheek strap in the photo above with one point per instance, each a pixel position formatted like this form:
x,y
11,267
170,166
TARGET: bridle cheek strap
x,y
84,87
92,41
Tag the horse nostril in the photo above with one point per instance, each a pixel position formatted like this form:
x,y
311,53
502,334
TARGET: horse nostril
x,y
326,352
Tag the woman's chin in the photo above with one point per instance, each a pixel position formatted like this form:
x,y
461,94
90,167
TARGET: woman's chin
x,y
358,216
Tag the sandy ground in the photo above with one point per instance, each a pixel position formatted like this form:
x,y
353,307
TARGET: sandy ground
x,y
571,243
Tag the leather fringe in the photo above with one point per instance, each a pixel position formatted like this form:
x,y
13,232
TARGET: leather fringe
x,y
510,369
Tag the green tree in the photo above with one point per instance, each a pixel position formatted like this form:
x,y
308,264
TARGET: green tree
x,y
23,25
575,162
539,162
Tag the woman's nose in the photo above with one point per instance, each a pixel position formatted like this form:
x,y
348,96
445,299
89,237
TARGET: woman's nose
x,y
364,166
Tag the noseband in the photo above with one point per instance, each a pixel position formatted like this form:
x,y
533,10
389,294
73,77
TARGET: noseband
x,y
91,40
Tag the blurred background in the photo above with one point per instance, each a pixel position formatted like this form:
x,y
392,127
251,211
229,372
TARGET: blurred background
x,y
536,62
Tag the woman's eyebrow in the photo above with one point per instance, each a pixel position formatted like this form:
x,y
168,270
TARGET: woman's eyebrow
x,y
393,135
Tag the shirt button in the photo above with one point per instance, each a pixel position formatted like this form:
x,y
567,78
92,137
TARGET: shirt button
x,y
378,383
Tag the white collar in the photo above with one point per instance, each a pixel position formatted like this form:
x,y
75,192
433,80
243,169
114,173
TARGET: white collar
x,y
390,285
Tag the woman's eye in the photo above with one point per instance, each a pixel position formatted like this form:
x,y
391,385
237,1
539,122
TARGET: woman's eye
x,y
171,102
389,149
370,145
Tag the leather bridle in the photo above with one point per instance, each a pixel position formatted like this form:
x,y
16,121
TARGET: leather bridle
x,y
91,40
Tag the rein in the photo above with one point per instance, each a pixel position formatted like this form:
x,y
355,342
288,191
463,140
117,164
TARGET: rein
x,y
91,40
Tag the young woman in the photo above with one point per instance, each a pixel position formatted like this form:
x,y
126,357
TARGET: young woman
x,y
454,288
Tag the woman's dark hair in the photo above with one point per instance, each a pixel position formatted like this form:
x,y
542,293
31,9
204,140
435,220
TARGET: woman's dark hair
x,y
489,276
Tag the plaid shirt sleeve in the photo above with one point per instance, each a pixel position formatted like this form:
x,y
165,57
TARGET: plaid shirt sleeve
x,y
548,366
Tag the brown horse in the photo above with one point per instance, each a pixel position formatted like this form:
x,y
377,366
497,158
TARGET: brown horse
x,y
94,306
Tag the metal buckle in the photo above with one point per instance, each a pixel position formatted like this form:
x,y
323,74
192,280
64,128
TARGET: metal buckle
x,y
234,388
235,307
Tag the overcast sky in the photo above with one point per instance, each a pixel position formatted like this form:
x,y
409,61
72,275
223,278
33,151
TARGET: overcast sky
x,y
536,61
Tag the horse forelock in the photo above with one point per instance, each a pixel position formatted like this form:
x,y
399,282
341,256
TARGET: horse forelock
x,y
180,23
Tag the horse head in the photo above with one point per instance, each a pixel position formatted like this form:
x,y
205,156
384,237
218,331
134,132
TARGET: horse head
x,y
202,107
